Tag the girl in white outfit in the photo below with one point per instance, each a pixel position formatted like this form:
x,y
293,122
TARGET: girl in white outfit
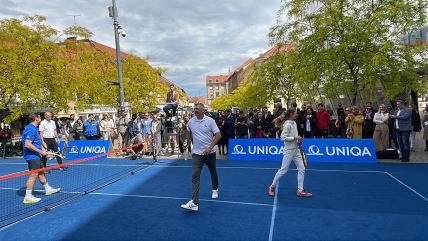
x,y
291,140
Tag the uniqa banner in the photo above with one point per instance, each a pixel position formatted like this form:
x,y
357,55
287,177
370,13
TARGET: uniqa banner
x,y
317,150
84,149
61,147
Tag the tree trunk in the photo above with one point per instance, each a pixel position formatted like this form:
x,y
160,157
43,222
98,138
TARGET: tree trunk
x,y
355,92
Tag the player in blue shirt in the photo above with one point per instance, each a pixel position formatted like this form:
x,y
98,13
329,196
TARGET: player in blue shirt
x,y
33,152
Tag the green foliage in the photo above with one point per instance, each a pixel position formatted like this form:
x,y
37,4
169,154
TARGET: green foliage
x,y
78,31
143,88
350,46
27,64
224,102
37,73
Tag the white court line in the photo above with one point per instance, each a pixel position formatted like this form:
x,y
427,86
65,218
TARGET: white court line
x,y
407,186
276,168
272,221
236,167
103,165
20,221
147,196
178,198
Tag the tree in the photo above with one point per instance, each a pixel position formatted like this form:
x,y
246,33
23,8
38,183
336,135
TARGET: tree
x,y
269,79
37,73
27,64
89,69
350,46
143,87
224,102
79,31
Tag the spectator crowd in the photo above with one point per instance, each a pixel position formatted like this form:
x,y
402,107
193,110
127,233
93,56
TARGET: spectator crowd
x,y
390,128
165,133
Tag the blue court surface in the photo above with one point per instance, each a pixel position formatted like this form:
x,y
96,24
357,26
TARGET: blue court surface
x,y
351,202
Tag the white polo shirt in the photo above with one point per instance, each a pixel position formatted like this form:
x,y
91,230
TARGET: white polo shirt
x,y
48,128
203,132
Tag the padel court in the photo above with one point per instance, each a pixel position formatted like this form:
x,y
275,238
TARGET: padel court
x,y
122,199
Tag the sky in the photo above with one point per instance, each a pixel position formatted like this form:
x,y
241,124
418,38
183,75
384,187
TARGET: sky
x,y
190,38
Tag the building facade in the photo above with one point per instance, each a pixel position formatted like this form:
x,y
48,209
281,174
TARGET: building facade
x,y
216,87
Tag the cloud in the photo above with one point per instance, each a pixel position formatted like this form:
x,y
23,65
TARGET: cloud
x,y
191,38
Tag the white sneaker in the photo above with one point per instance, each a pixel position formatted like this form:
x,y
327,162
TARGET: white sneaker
x,y
190,206
215,194
50,191
31,199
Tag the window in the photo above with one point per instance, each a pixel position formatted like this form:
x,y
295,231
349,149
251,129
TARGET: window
x,y
216,80
217,94
217,88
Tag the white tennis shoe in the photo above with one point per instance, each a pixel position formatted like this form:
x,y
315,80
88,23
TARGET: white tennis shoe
x,y
190,206
214,194
50,191
31,199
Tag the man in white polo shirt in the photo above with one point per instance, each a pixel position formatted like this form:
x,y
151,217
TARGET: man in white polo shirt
x,y
49,136
205,135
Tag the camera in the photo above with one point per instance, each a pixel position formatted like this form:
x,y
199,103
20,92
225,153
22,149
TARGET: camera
x,y
121,31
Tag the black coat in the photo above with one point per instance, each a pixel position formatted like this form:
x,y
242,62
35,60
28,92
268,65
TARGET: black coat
x,y
312,119
416,121
260,122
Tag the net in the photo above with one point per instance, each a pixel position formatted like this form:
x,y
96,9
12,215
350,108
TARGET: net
x,y
81,177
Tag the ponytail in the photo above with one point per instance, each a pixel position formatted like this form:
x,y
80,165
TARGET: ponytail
x,y
279,121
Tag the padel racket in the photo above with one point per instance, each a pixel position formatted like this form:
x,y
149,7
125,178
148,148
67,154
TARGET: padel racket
x,y
302,152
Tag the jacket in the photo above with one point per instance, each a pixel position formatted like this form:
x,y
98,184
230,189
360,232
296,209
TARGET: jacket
x,y
91,128
289,132
146,126
312,120
323,120
404,119
355,126
425,119
134,129
156,127
416,121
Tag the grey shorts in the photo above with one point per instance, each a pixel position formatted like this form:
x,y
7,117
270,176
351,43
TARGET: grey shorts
x,y
34,164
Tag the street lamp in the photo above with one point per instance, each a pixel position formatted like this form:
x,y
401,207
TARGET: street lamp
x,y
118,30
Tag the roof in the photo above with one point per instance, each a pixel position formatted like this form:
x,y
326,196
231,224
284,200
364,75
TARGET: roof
x,y
197,99
101,47
107,49
221,78
274,50
243,66
112,51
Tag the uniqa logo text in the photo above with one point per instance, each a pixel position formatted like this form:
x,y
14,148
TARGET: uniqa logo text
x,y
93,149
273,150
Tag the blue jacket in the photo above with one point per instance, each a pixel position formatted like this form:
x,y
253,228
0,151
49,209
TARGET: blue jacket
x,y
146,129
133,128
91,128
404,119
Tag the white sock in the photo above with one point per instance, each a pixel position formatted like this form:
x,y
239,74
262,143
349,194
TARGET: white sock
x,y
28,193
47,186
